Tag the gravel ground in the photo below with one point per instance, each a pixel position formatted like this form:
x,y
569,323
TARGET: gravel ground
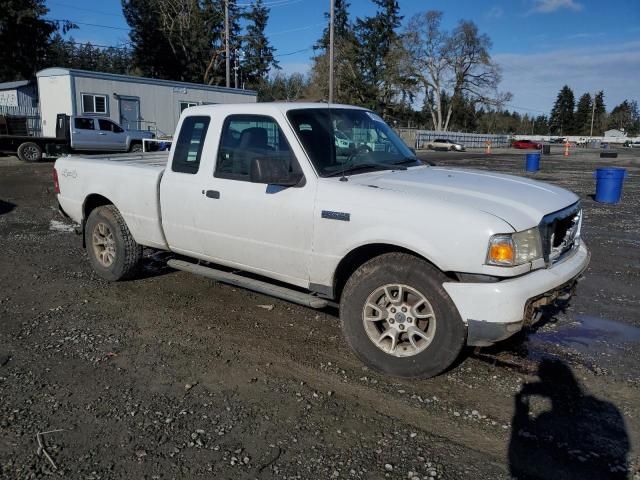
x,y
175,376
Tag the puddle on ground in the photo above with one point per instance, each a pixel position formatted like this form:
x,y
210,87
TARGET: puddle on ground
x,y
601,345
590,333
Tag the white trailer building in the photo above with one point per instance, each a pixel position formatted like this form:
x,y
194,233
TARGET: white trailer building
x,y
137,103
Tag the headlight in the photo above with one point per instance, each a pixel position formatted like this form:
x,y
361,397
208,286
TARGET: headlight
x,y
509,250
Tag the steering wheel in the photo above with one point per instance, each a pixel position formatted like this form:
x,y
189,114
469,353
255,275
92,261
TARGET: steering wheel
x,y
359,150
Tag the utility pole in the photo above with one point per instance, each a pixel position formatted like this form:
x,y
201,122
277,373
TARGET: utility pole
x,y
593,113
332,8
236,67
226,42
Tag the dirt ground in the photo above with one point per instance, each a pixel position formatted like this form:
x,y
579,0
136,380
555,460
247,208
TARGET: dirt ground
x,y
175,376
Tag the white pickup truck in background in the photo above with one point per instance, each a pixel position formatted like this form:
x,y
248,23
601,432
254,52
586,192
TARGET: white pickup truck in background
x,y
422,260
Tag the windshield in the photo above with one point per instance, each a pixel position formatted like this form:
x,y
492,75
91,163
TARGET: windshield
x,y
341,139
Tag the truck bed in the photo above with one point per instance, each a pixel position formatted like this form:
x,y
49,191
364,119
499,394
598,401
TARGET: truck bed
x,y
129,181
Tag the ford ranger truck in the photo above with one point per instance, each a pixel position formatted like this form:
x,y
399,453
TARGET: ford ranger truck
x,y
421,260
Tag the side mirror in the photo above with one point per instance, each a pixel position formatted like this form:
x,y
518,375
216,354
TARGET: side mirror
x,y
273,171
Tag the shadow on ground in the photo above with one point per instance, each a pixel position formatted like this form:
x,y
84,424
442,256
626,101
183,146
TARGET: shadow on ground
x,y
6,207
579,437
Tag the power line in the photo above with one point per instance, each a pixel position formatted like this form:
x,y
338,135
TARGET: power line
x,y
88,24
275,3
85,9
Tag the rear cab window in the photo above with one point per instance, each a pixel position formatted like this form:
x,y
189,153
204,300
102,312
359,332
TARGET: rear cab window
x,y
188,150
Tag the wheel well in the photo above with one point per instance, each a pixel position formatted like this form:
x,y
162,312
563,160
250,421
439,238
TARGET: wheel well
x,y
361,255
92,202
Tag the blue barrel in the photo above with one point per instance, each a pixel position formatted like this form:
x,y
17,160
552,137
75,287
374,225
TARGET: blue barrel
x,y
609,184
532,162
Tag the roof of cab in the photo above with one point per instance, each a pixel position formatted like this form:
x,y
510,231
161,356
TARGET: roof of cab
x,y
266,107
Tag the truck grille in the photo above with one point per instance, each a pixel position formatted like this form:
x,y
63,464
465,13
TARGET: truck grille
x,y
560,232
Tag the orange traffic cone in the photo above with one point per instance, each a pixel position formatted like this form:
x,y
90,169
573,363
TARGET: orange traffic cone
x,y
566,148
487,147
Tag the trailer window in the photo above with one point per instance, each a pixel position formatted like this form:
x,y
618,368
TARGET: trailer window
x,y
184,105
94,103
186,157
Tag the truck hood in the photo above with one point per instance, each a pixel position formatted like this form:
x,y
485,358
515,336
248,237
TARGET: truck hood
x,y
519,201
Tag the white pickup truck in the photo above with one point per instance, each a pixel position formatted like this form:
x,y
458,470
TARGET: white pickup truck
x,y
422,260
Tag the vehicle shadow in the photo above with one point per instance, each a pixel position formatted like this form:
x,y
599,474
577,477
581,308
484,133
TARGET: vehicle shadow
x,y
579,437
6,207
154,264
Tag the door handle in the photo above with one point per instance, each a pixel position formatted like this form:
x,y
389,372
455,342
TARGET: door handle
x,y
101,133
212,194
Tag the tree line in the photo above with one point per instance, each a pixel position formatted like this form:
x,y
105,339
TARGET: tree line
x,y
590,114
448,74
170,39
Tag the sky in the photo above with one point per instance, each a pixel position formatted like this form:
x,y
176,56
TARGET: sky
x,y
541,45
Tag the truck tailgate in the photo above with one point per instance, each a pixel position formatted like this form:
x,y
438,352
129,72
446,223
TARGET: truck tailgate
x,y
129,181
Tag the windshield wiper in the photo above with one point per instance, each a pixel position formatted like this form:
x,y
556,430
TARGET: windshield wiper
x,y
368,166
407,160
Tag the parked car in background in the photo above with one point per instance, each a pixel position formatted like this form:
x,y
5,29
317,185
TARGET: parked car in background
x,y
526,145
445,144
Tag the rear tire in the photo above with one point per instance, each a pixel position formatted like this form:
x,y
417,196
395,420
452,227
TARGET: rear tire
x,y
113,253
431,319
136,148
30,152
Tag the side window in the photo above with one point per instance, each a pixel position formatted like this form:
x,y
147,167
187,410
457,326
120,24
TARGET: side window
x,y
83,123
245,137
108,126
186,157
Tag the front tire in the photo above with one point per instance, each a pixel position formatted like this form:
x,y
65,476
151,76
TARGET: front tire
x,y
113,253
398,318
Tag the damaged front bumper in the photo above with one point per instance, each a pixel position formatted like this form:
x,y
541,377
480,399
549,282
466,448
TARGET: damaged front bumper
x,y
495,311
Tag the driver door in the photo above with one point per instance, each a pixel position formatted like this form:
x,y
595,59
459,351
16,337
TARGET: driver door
x,y
262,228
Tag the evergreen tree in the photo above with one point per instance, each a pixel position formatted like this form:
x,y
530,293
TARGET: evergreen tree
x,y
182,39
25,38
600,115
257,52
347,79
379,49
151,51
582,118
625,117
562,112
68,53
541,125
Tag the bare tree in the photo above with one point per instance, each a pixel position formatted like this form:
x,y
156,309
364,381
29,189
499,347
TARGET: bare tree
x,y
427,48
458,63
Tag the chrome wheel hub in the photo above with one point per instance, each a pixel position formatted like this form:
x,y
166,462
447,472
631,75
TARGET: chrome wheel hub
x,y
399,320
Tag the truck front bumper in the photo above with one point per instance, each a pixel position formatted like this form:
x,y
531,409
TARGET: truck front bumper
x,y
495,311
